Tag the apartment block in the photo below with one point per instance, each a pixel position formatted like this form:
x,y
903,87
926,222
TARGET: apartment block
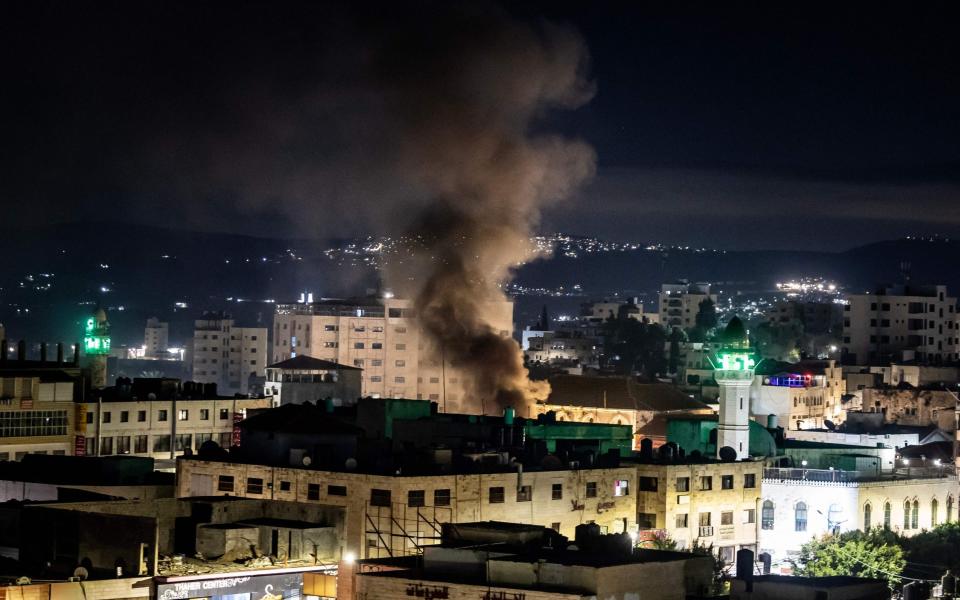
x,y
901,323
680,303
381,336
226,354
156,338
394,515
701,503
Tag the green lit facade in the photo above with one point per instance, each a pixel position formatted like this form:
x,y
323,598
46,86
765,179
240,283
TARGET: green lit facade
x,y
96,339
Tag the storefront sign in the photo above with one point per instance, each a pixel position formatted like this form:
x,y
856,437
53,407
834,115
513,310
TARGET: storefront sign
x,y
261,587
79,446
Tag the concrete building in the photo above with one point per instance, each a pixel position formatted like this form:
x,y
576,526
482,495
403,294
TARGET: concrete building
x,y
615,401
901,323
596,313
539,569
816,318
37,411
158,418
39,478
307,379
381,336
680,303
228,355
156,338
562,348
705,502
905,405
801,503
804,395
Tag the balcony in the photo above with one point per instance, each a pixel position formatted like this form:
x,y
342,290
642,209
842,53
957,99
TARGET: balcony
x,y
842,477
705,531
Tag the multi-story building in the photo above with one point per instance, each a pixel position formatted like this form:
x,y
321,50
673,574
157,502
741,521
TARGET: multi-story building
x,y
561,347
597,312
680,303
912,406
799,504
158,418
381,336
156,338
901,323
228,355
37,402
307,379
395,514
815,317
706,502
802,395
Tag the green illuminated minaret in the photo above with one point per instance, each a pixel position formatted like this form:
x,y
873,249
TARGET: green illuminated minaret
x,y
96,345
733,372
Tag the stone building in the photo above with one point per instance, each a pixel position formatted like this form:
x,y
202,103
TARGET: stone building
x,y
226,354
906,405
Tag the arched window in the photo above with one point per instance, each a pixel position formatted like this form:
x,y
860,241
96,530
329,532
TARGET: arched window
x,y
834,517
800,517
887,510
867,513
934,505
915,517
766,515
906,514
949,509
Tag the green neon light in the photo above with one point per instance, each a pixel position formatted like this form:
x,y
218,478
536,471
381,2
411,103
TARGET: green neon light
x,y
737,361
96,340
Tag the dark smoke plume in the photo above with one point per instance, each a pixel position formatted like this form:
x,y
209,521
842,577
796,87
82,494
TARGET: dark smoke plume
x,y
467,96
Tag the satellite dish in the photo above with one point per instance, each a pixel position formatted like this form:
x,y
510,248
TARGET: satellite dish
x,y
306,461
23,580
350,464
81,573
830,424
728,454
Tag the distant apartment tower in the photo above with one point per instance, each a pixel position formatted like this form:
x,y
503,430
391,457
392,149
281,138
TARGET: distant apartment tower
x,y
228,355
680,303
900,323
156,338
381,336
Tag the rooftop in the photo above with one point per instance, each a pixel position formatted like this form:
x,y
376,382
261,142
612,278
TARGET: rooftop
x,y
302,362
619,393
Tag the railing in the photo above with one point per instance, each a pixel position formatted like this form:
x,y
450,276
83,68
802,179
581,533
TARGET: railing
x,y
840,476
705,531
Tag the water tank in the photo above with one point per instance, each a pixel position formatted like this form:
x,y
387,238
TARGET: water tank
x,y
948,583
772,421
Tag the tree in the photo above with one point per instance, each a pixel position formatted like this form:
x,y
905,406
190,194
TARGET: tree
x,y
706,315
932,552
720,585
675,337
631,346
876,554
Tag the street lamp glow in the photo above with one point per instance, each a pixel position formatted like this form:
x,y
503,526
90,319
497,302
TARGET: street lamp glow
x,y
349,558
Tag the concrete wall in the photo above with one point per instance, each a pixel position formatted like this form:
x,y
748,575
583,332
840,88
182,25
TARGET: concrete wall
x,y
372,587
469,499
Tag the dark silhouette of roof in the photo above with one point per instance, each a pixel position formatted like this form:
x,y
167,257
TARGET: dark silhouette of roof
x,y
302,362
618,393
299,418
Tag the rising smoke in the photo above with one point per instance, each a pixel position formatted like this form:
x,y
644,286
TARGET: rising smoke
x,y
467,96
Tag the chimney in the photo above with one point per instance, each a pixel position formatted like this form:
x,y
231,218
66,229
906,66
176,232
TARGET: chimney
x,y
22,350
59,353
43,352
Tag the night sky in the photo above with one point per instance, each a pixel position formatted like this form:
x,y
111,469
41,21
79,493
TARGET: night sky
x,y
820,126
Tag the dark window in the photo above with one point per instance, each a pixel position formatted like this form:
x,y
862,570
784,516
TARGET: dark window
x,y
750,480
284,486
416,498
224,483
800,517
161,415
124,416
750,515
336,490
140,444
648,484
441,497
706,483
683,484
705,519
204,414
224,414
379,497
682,521
313,491
591,489
141,416
647,520
726,482
254,485
726,517
106,417
556,491
495,495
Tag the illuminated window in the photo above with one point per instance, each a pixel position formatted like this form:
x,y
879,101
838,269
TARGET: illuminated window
x,y
621,487
766,515
800,517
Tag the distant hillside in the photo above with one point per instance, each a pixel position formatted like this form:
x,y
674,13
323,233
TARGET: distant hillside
x,y
51,276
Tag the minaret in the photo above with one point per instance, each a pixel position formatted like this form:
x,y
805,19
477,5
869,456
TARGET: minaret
x,y
733,371
96,345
